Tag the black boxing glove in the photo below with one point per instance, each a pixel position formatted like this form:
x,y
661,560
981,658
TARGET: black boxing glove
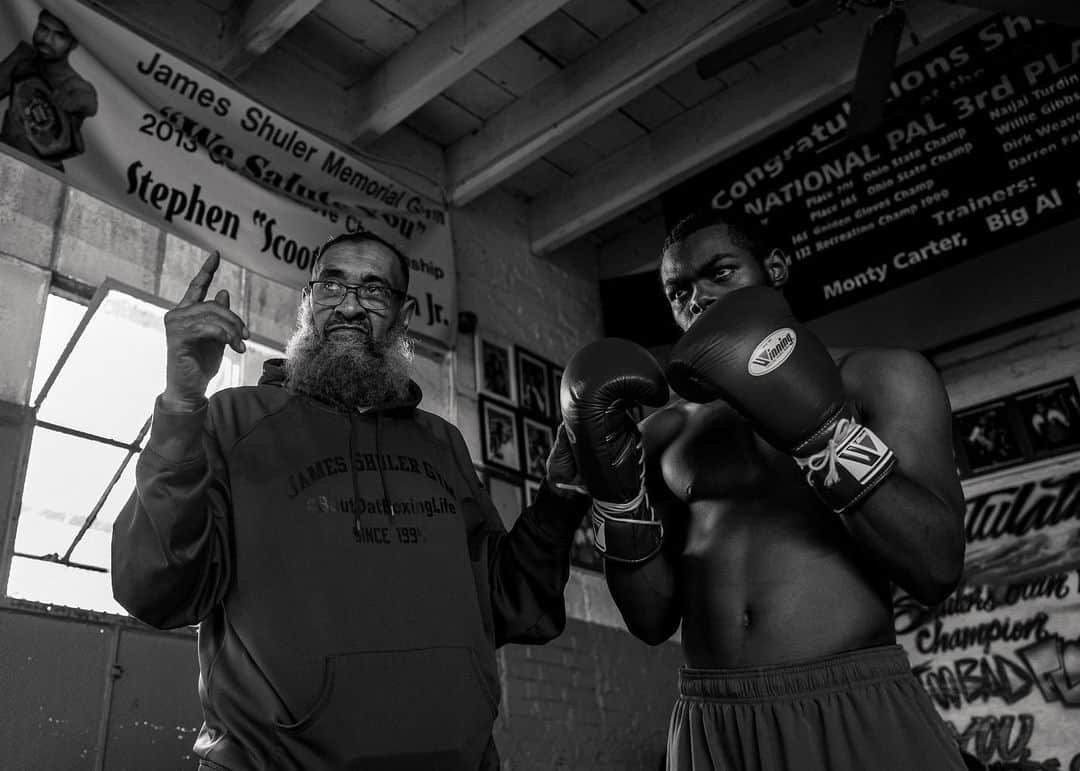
x,y
749,350
599,385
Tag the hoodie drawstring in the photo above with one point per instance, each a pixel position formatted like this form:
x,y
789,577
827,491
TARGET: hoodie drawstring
x,y
378,461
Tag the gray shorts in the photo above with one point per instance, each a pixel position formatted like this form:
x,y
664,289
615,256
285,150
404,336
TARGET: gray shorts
x,y
854,711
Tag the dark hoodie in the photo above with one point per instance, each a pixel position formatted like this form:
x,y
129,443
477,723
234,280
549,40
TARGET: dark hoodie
x,y
350,577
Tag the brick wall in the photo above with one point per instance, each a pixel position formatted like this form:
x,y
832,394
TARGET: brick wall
x,y
593,699
596,698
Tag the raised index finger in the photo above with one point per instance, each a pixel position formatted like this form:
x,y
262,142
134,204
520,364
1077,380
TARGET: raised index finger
x,y
196,291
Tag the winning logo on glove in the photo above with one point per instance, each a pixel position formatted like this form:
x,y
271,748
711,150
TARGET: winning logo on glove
x,y
771,352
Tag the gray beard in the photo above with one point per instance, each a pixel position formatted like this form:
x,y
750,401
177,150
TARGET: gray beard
x,y
349,373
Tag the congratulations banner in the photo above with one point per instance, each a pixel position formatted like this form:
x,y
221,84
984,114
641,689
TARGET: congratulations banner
x,y
126,121
979,149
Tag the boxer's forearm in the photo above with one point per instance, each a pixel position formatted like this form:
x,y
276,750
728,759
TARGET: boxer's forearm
x,y
913,535
646,597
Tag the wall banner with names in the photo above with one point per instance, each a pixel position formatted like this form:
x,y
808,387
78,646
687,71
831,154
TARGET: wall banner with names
x,y
123,119
980,147
1000,658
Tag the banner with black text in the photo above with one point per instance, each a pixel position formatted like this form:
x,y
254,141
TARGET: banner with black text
x,y
126,121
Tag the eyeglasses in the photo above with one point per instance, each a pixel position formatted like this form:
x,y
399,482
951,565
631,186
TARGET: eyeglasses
x,y
371,295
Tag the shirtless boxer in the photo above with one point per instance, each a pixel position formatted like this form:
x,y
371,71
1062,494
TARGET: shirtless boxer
x,y
769,513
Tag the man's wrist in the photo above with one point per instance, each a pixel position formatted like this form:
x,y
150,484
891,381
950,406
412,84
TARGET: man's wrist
x,y
180,403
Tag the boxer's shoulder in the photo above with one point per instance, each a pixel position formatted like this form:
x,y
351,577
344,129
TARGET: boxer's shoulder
x,y
877,367
891,382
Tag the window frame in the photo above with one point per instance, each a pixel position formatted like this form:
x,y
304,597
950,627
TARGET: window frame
x,y
25,419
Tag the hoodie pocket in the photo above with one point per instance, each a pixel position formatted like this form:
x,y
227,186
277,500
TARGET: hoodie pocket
x,y
402,709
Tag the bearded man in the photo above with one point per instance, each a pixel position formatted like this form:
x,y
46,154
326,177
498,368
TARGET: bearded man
x,y
350,577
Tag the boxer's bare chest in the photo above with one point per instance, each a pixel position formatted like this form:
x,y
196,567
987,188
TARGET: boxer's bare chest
x,y
714,454
753,532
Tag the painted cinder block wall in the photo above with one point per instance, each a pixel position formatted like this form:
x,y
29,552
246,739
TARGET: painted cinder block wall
x,y
125,695
1030,714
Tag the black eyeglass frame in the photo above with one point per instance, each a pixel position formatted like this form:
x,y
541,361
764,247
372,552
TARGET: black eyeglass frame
x,y
397,294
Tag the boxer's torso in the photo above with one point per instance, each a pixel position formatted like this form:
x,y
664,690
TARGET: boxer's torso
x,y
766,574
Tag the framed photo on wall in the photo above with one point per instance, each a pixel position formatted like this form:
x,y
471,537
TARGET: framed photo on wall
x,y
986,438
506,494
532,487
499,435
533,383
556,389
1050,415
495,370
536,441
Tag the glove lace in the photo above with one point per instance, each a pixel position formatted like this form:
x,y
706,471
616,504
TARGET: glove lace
x,y
826,457
616,508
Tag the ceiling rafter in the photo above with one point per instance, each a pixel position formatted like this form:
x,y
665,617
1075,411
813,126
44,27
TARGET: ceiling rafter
x,y
455,44
252,29
657,44
721,127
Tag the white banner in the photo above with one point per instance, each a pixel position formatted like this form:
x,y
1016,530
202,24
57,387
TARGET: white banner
x,y
126,121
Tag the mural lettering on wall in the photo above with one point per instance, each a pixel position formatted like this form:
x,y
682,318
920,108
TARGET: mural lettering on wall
x,y
1000,658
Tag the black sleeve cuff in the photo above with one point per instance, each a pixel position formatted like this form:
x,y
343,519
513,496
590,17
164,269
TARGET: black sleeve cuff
x,y
557,515
177,436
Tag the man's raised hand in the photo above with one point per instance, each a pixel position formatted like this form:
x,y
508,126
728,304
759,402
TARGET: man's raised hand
x,y
196,332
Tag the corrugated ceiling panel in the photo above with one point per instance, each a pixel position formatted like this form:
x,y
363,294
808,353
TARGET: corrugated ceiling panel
x,y
317,40
419,13
561,38
653,108
479,95
611,133
367,23
442,121
536,178
688,89
518,68
573,156
602,17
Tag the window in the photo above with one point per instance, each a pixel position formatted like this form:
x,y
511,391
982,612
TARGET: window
x,y
98,372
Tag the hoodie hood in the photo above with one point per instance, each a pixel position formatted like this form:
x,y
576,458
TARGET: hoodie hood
x,y
273,374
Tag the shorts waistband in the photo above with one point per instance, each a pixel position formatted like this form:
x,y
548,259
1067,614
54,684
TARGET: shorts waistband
x,y
801,678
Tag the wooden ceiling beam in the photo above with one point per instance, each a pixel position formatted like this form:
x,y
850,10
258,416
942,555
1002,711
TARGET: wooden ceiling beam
x,y
454,45
657,44
724,125
254,28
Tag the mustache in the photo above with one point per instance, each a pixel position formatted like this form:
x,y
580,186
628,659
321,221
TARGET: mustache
x,y
340,321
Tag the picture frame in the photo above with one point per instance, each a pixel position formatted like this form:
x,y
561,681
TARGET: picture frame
x,y
495,370
1050,416
537,438
532,489
987,438
507,494
499,441
533,383
556,391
